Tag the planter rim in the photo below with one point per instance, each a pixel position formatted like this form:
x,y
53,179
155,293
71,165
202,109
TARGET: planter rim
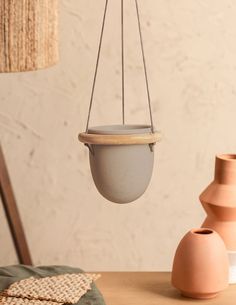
x,y
120,129
119,139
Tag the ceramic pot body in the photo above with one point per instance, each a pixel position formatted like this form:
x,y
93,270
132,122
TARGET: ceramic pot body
x,y
121,173
200,268
219,202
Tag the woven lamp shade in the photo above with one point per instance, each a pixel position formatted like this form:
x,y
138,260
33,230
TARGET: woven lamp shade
x,y
28,34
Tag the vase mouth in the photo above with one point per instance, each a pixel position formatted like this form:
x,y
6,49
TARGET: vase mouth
x,y
202,231
225,169
227,157
120,129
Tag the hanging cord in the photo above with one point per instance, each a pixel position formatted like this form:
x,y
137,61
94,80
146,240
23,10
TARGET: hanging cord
x,y
97,64
144,65
123,61
123,64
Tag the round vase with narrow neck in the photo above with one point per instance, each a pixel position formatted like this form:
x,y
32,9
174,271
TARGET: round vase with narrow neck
x,y
219,202
200,267
121,173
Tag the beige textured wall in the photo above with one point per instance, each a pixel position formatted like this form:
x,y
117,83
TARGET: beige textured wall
x,y
191,47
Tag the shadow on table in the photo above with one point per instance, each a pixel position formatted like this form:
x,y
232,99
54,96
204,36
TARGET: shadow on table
x,y
165,290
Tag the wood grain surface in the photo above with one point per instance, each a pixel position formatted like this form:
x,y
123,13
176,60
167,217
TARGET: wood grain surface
x,y
150,288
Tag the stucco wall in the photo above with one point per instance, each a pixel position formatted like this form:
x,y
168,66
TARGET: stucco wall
x,y
191,47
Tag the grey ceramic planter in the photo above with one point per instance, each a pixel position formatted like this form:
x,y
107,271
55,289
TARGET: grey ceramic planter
x,y
121,173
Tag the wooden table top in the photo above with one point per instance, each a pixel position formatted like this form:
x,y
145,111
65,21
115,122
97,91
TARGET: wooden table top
x,y
150,288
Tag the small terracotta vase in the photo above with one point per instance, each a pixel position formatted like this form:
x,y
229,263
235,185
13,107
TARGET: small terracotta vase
x,y
219,202
121,168
200,267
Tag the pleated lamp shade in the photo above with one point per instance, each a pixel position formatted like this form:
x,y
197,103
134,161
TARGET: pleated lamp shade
x,y
28,34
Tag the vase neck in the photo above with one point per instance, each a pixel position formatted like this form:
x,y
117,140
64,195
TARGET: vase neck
x,y
225,169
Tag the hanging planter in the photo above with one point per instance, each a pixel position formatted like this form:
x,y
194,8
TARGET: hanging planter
x,y
121,156
121,160
28,34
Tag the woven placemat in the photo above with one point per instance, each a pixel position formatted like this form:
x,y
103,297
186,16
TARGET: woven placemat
x,y
20,301
65,288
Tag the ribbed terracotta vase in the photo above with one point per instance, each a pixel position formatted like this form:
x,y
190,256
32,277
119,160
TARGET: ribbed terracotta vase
x,y
200,267
219,202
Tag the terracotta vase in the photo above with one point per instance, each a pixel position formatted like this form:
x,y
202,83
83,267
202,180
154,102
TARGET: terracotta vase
x,y
121,173
200,267
219,202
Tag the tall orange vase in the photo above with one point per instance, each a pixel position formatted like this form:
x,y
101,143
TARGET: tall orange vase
x,y
219,202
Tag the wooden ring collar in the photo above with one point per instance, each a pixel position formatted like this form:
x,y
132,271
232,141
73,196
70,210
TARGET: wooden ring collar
x,y
128,139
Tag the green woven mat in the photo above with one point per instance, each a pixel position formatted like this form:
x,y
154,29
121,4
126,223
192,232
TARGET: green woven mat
x,y
11,274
